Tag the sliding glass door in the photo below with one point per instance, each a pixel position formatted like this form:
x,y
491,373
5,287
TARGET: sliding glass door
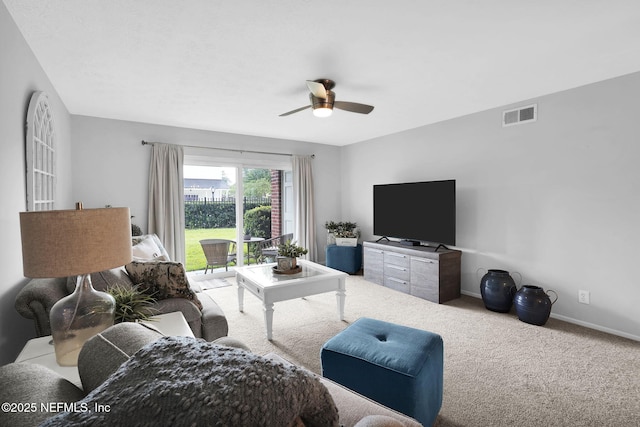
x,y
210,214
244,205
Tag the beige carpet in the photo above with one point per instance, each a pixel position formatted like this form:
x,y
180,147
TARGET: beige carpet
x,y
498,370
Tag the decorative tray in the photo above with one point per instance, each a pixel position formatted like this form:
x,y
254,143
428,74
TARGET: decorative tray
x,y
276,270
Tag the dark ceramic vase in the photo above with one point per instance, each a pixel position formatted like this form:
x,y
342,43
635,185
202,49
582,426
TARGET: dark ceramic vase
x,y
533,304
498,289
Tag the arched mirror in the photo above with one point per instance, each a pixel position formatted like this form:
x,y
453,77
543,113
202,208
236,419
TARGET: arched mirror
x,y
40,154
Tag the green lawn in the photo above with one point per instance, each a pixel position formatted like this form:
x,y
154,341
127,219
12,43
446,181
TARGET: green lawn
x,y
195,256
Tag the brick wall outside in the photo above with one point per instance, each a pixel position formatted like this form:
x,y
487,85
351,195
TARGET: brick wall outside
x,y
276,203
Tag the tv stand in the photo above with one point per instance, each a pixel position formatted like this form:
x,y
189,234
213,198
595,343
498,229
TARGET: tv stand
x,y
441,246
422,271
383,238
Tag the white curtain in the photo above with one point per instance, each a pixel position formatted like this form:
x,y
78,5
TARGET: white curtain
x,y
166,198
305,232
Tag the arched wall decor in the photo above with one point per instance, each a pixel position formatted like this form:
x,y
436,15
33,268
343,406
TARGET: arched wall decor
x,y
40,154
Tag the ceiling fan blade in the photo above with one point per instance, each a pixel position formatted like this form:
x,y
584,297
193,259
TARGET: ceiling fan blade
x,y
317,89
353,107
294,111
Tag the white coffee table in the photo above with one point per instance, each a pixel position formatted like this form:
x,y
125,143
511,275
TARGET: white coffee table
x,y
271,287
40,350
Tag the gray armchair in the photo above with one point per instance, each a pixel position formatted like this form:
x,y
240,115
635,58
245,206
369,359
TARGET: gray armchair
x,y
35,300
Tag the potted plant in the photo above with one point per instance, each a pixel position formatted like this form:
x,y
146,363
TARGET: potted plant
x,y
347,238
132,305
288,252
342,233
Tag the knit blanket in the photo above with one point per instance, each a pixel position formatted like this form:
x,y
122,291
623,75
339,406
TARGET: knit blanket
x,y
179,381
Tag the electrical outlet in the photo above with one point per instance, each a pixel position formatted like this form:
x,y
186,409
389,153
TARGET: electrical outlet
x,y
583,297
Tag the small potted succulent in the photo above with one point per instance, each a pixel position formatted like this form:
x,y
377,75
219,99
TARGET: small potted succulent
x,y
288,252
342,233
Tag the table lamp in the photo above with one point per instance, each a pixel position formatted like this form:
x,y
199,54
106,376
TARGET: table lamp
x,y
61,243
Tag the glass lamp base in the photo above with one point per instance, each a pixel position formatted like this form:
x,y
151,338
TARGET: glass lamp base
x,y
78,317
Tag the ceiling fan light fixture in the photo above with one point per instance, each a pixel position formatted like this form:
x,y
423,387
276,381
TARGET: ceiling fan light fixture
x,y
322,100
322,111
322,107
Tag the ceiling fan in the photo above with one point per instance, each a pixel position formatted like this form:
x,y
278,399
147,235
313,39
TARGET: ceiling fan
x,y
323,100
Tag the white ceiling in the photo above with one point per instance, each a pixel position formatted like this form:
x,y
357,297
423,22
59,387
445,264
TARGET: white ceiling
x,y
234,66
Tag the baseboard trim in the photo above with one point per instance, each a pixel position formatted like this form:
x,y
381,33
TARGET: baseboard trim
x,y
471,294
575,321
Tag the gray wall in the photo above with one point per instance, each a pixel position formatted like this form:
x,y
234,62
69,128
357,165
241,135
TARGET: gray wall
x,y
111,166
20,76
555,200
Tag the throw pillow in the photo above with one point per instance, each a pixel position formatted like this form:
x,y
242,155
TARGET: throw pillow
x,y
184,381
145,248
163,280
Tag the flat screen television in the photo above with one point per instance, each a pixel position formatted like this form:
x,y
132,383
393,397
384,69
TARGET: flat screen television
x,y
416,211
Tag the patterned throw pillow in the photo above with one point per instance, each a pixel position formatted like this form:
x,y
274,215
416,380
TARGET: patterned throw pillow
x,y
163,280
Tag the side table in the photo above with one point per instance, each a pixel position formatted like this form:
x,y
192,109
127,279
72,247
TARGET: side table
x,y
40,350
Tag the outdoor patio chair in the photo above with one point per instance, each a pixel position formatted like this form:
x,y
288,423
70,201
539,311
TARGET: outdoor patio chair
x,y
219,252
269,248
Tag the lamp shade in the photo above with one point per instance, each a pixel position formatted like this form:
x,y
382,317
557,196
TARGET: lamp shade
x,y
72,242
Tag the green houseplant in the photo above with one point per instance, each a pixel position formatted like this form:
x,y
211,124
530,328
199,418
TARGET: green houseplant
x,y
342,233
288,252
132,305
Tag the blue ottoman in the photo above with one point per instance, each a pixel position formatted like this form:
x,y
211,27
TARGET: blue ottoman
x,y
344,258
397,366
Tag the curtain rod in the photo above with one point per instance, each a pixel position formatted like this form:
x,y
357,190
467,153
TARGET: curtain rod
x,y
231,149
